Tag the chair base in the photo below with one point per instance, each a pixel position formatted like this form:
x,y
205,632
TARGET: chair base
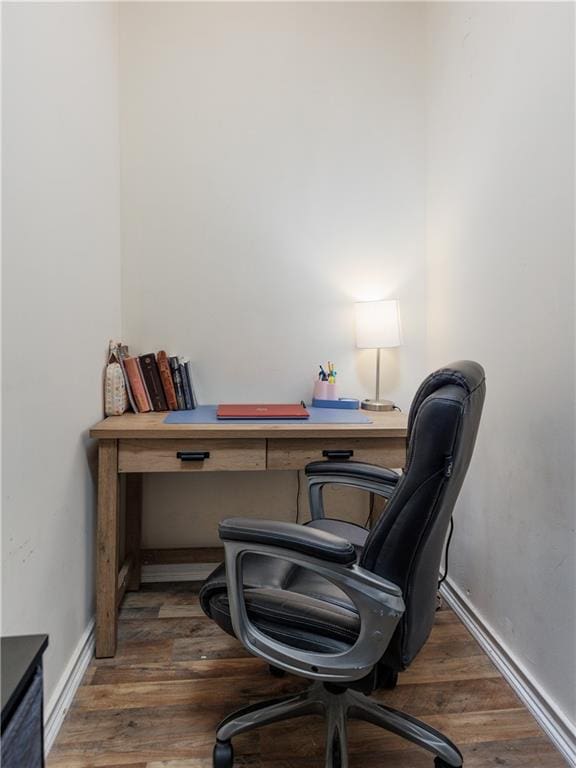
x,y
336,705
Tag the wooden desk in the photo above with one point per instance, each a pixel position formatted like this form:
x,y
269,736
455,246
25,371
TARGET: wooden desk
x,y
133,444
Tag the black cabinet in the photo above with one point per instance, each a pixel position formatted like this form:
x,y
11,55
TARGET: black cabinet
x,y
22,707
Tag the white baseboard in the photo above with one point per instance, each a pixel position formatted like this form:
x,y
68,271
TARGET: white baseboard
x,y
177,572
61,699
553,721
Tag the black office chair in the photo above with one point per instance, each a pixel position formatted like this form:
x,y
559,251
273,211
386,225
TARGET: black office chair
x,y
343,606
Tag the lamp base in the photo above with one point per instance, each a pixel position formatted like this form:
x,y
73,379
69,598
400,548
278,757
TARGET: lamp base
x,y
377,405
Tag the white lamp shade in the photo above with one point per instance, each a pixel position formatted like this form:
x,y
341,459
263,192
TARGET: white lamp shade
x,y
378,324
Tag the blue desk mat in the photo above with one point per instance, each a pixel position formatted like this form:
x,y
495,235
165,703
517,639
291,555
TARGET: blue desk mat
x,y
206,414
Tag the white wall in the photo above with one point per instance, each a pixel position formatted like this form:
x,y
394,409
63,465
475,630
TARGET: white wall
x,y
272,173
501,290
61,303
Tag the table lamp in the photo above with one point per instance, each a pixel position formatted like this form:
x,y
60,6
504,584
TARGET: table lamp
x,y
378,327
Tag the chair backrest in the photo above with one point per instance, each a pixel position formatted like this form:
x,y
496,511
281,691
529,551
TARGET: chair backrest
x,y
405,546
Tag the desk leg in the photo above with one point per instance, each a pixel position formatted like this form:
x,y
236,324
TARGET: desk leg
x,y
134,528
107,549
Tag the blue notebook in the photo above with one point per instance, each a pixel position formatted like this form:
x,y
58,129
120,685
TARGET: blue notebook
x,y
206,414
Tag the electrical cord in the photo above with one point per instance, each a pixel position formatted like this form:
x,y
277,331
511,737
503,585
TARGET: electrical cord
x,y
443,578
369,518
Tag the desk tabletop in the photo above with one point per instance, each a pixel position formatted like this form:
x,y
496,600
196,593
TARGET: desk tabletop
x,y
151,425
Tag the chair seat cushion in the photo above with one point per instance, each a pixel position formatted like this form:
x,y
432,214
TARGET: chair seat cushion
x,y
291,604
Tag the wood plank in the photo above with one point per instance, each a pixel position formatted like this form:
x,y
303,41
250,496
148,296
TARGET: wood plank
x,y
180,612
227,669
134,528
149,596
123,578
472,667
194,693
465,729
423,700
135,651
182,555
151,425
107,548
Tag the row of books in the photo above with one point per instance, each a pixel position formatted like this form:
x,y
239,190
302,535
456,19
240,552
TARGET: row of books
x,y
157,382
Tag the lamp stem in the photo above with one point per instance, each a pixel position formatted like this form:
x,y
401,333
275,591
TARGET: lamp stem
x,y
377,404
378,375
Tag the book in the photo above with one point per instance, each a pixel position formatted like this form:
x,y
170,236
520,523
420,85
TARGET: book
x,y
122,355
150,406
153,382
166,378
191,382
185,384
136,384
177,379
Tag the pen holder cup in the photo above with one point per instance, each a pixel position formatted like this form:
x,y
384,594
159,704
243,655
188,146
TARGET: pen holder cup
x,y
323,390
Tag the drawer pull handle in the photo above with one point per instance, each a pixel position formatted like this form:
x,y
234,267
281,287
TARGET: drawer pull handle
x,y
193,455
337,455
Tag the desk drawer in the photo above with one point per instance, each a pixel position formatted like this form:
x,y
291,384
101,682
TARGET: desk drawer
x,y
190,455
295,454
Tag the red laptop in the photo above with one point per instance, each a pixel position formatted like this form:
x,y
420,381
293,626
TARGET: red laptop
x,y
289,411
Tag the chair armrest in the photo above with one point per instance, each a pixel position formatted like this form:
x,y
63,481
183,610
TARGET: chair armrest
x,y
297,538
366,477
355,469
378,601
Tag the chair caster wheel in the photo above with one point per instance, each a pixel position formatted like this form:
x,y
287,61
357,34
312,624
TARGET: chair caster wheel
x,y
276,671
439,763
223,755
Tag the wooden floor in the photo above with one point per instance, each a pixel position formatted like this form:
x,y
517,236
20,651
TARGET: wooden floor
x,y
176,674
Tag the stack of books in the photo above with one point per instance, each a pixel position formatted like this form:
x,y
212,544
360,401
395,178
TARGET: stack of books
x,y
157,382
